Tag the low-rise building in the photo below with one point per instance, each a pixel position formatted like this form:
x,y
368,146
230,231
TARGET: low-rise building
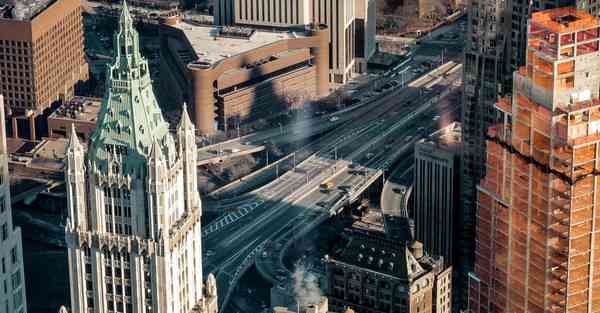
x,y
79,111
373,274
229,75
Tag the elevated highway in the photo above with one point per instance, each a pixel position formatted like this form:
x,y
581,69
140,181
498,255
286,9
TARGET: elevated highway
x,y
293,199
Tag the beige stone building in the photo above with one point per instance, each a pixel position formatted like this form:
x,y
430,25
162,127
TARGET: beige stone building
x,y
12,299
133,232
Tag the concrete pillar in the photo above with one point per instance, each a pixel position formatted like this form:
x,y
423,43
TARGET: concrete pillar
x,y
321,58
15,127
202,88
31,119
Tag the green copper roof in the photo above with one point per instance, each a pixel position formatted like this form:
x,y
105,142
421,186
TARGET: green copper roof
x,y
129,120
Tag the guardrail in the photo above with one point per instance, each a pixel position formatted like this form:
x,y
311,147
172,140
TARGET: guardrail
x,y
216,192
243,267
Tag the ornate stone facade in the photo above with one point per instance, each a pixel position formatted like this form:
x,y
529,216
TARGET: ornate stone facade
x,y
133,233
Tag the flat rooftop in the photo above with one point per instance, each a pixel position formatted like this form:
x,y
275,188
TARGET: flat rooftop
x,y
78,109
567,19
23,10
213,44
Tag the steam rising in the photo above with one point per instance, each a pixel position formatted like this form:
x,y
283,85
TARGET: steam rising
x,y
306,286
19,10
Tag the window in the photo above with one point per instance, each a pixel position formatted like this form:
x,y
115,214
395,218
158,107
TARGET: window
x,y
13,255
16,279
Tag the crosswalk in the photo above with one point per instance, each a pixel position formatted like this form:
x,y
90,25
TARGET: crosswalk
x,y
231,217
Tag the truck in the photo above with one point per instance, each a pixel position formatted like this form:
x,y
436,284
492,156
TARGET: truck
x,y
327,186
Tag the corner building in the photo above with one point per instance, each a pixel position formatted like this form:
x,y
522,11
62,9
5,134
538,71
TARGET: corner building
x,y
230,75
133,233
41,57
537,207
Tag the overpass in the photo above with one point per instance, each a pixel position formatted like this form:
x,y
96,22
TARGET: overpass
x,y
32,193
294,200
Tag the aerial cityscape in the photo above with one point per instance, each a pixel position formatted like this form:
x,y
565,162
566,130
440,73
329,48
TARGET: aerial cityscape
x,y
299,156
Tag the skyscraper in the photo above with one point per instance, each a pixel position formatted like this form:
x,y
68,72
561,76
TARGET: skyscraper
x,y
537,226
436,191
12,298
133,234
41,56
495,47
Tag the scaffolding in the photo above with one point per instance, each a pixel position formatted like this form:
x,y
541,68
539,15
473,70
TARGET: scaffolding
x,y
536,206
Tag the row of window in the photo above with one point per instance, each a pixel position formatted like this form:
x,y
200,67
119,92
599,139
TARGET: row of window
x,y
15,74
14,43
14,258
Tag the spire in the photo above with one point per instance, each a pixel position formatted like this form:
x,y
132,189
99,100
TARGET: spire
x,y
125,19
185,122
73,139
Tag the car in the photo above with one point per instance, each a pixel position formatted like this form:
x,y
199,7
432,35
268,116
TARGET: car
x,y
370,155
209,253
435,118
409,138
333,119
265,254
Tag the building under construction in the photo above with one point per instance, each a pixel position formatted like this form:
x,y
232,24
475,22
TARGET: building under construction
x,y
536,206
494,49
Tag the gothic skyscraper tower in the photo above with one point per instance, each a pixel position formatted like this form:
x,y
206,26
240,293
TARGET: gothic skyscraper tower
x,y
133,235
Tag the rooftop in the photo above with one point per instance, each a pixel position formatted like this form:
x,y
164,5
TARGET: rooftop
x,y
23,10
381,255
79,109
212,44
563,20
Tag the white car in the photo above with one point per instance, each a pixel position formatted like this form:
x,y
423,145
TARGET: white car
x,y
435,118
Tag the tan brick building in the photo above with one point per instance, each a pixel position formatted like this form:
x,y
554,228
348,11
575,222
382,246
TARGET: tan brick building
x,y
41,56
230,75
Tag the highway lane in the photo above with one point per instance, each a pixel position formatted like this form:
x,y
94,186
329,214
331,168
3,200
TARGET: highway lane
x,y
272,266
272,218
370,131
350,123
